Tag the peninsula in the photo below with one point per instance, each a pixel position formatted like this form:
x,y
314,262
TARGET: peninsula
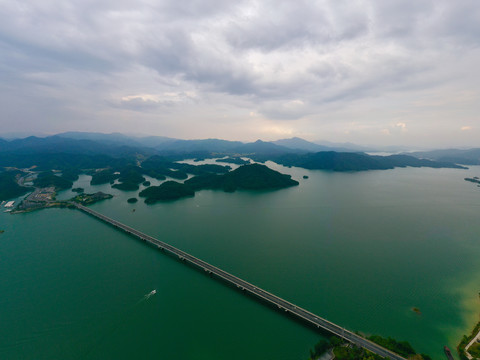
x,y
43,198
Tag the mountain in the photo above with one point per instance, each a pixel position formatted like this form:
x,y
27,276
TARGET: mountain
x,y
8,186
301,144
337,161
21,135
346,146
55,152
118,139
264,148
205,145
59,144
246,177
466,157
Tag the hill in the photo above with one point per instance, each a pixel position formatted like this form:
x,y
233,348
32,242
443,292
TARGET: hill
x,y
297,143
8,186
169,190
247,177
466,157
336,161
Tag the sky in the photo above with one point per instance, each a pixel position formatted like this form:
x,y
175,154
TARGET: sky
x,y
369,72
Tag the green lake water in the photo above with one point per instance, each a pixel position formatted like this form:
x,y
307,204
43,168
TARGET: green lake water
x,y
360,249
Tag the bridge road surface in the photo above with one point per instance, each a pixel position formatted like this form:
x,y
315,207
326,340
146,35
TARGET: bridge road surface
x,y
282,304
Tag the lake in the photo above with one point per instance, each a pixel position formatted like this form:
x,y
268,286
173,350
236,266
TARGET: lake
x,y
359,249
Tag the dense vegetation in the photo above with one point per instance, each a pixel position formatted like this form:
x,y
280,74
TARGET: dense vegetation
x,y
59,161
474,350
465,340
104,177
343,352
457,156
233,160
89,199
247,177
400,347
71,174
160,167
8,186
474,180
331,160
130,178
132,200
169,190
48,179
57,152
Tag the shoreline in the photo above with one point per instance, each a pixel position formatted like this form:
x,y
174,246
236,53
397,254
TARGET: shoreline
x,y
467,342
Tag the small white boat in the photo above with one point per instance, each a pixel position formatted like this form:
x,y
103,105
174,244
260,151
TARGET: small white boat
x,y
151,293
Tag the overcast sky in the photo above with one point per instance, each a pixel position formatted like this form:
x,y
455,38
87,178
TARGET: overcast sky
x,y
369,72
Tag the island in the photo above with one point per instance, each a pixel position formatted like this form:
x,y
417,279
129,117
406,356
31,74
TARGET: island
x,y
169,190
349,161
78,190
43,198
132,200
89,199
104,177
475,180
233,160
130,178
246,177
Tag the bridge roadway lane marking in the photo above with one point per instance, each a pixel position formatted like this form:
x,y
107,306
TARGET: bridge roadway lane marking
x,y
258,292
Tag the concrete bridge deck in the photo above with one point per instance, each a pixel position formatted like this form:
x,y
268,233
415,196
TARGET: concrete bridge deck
x,y
257,292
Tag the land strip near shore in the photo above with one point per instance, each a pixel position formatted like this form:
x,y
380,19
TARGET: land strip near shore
x,y
469,347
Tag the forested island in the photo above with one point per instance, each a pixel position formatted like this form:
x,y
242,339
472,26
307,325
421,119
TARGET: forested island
x,y
475,180
233,160
338,161
169,190
246,177
43,198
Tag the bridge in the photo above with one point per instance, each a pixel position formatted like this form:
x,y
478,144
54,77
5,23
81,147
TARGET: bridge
x,y
253,290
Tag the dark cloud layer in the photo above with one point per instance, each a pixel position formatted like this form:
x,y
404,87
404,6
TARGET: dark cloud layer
x,y
344,70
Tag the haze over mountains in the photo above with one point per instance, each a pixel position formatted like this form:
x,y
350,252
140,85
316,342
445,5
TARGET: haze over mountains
x,y
85,148
174,144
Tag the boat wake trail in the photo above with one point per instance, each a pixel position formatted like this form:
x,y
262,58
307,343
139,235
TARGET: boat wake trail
x,y
150,294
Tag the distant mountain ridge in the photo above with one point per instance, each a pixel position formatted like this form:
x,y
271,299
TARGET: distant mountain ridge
x,y
301,144
466,157
118,138
338,161
85,148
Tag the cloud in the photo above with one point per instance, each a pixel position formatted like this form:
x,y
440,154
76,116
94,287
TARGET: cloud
x,y
317,65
